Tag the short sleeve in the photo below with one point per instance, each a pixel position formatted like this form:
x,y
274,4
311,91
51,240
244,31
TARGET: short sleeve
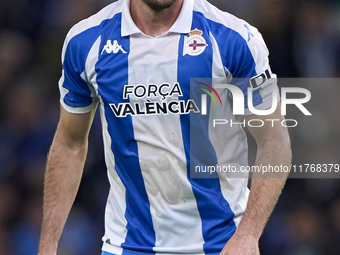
x,y
251,69
76,94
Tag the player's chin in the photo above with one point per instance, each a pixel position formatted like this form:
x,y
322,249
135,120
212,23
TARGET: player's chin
x,y
159,5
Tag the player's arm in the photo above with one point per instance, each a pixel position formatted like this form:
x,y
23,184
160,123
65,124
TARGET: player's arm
x,y
273,147
63,174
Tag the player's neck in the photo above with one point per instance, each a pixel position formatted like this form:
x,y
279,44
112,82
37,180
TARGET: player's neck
x,y
152,22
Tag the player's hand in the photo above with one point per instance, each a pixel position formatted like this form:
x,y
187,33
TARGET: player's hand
x,y
240,244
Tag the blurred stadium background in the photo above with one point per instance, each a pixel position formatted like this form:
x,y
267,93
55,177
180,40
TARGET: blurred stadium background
x,y
303,38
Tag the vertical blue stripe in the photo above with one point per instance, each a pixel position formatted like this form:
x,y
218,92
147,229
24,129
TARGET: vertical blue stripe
x,y
237,58
112,70
217,217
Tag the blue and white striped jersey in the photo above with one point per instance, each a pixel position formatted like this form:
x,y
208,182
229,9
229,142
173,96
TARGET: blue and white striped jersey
x,y
153,127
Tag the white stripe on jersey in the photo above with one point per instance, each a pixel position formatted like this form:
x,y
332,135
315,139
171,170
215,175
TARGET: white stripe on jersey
x,y
173,207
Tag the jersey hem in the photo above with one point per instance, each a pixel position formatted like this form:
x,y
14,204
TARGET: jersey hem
x,y
112,249
118,250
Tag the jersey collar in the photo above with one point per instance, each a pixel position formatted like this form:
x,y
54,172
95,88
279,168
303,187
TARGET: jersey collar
x,y
181,25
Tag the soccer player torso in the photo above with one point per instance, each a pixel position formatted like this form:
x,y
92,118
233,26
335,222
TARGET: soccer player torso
x,y
157,129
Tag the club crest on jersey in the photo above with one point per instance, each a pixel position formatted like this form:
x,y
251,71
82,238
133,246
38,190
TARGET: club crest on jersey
x,y
195,44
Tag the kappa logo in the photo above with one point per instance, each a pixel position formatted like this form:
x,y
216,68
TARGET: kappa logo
x,y
204,103
112,47
195,44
